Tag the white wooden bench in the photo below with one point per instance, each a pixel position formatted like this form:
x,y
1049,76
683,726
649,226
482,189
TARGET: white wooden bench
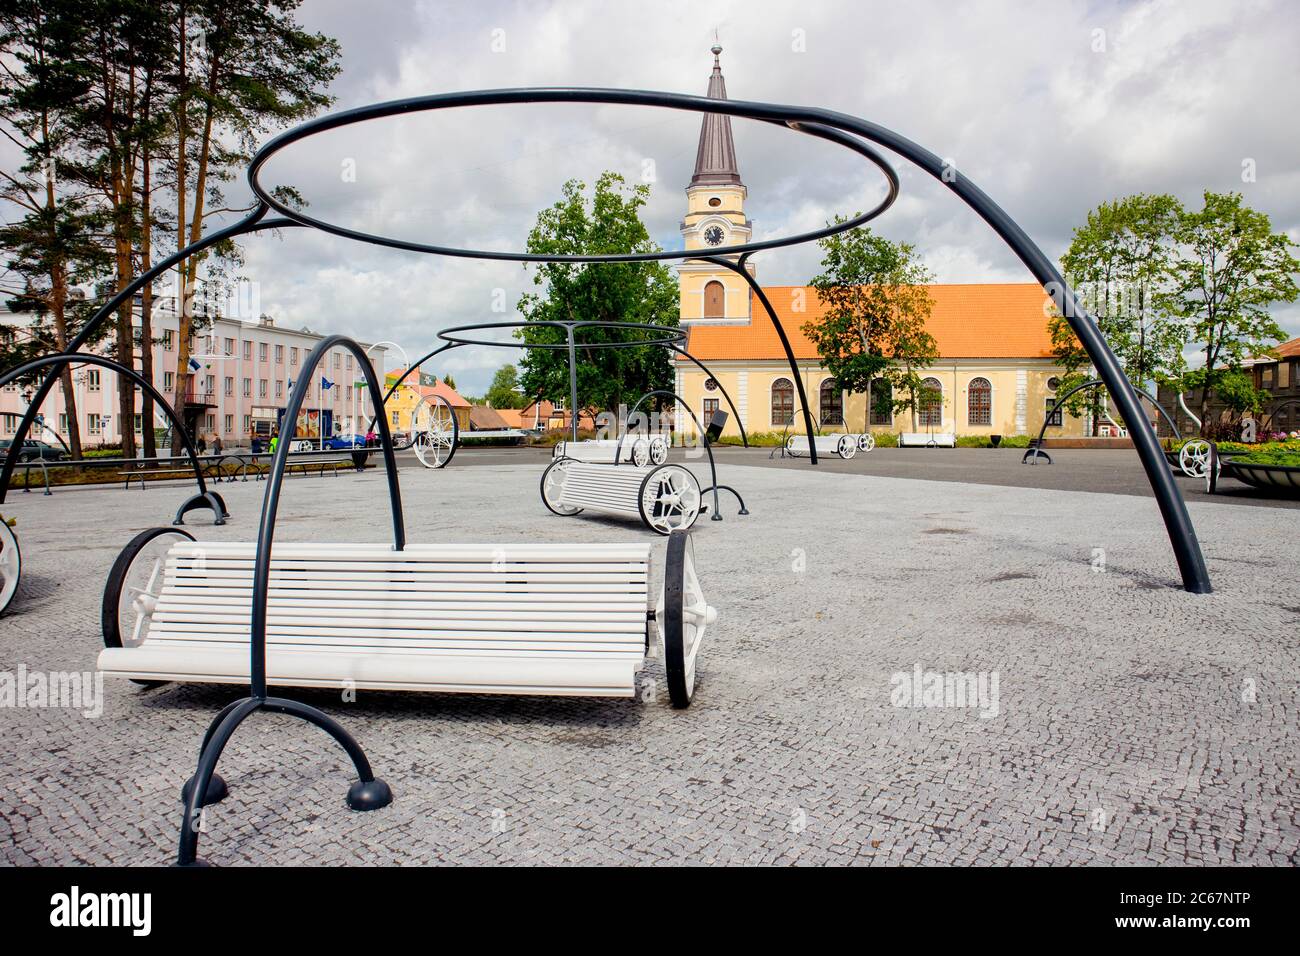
x,y
666,498
553,619
638,450
844,445
927,439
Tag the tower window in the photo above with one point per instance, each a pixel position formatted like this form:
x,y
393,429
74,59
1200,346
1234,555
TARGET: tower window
x,y
715,202
714,300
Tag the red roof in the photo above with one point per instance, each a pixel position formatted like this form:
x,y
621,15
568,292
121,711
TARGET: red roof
x,y
968,321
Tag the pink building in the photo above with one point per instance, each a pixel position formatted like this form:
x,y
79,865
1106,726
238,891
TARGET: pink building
x,y
240,388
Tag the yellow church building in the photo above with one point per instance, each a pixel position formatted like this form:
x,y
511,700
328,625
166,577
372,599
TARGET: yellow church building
x,y
995,374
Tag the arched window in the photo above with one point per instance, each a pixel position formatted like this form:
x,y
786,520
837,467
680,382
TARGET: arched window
x,y
831,403
881,397
979,402
782,402
715,300
929,405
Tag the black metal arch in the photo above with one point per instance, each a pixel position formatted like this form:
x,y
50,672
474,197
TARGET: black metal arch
x,y
204,497
368,793
1097,383
1274,409
704,437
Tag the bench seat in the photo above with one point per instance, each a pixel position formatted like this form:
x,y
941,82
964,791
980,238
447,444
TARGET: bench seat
x,y
927,439
566,619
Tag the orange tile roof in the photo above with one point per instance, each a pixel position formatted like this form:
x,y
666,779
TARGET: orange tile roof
x,y
968,321
427,391
1288,349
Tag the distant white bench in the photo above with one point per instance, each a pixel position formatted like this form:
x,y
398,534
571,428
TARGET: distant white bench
x,y
842,444
927,439
638,450
666,498
554,619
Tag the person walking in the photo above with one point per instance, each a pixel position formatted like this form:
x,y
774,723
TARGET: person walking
x,y
217,446
275,441
203,444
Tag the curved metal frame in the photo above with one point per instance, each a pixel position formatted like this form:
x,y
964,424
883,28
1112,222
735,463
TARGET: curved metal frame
x,y
367,793
1094,383
203,498
1274,409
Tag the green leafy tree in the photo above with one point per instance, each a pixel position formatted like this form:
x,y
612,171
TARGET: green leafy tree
x,y
874,323
1231,269
1120,265
604,220
504,390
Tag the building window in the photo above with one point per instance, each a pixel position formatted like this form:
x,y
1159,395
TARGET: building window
x,y
930,403
261,388
230,385
1054,418
349,393
979,402
248,351
831,402
230,346
210,422
11,423
169,339
394,419
279,388
137,422
248,387
63,423
348,363
293,355
880,397
715,300
209,383
710,409
228,424
782,402
92,379
248,423
338,360
261,351
168,378
279,355
93,424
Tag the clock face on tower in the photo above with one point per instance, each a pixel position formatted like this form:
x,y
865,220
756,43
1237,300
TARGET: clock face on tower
x,y
713,235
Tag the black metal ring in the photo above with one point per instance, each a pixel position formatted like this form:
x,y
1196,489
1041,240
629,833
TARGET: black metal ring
x,y
667,335
796,119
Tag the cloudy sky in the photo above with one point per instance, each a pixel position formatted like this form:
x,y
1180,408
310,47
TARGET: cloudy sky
x,y
1050,107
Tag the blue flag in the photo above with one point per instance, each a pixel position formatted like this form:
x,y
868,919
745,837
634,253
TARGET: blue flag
x,y
325,383
194,366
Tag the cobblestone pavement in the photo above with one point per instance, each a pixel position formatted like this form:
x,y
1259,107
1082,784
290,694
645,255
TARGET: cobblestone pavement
x,y
1134,723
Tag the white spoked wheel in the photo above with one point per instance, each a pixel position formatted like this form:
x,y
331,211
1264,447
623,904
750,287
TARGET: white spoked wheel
x,y
683,617
669,499
640,452
552,484
658,450
437,433
866,441
847,446
1194,458
11,565
134,584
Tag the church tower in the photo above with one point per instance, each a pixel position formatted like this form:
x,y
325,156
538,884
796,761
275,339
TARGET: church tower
x,y
715,217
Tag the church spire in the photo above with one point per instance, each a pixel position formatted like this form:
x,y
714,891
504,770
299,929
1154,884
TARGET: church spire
x,y
715,160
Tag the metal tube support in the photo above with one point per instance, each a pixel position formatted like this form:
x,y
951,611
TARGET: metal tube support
x,y
573,385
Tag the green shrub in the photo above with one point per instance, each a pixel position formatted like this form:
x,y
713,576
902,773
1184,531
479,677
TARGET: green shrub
x,y
1287,459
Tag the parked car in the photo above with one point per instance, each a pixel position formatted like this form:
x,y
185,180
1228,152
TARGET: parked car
x,y
345,442
33,449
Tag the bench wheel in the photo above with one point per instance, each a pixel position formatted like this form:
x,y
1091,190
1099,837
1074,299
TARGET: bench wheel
x,y
134,583
846,447
670,499
438,434
658,450
683,616
1194,458
553,487
11,565
866,442
640,453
